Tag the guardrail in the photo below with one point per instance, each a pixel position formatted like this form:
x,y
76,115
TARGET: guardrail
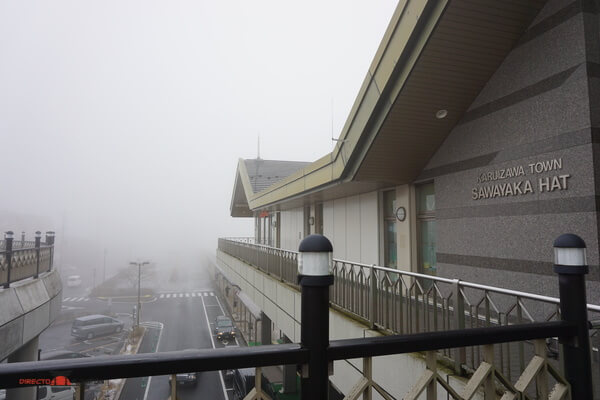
x,y
21,259
406,302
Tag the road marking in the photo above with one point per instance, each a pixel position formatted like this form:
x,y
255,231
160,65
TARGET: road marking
x,y
79,299
67,299
193,294
180,295
168,295
162,296
205,294
86,299
187,295
212,341
155,350
212,294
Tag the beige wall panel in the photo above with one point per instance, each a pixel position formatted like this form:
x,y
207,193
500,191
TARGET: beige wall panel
x,y
339,229
328,221
369,229
403,229
353,229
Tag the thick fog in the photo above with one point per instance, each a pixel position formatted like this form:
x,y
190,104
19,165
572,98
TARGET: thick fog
x,y
121,122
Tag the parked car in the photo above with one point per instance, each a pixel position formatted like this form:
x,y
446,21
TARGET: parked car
x,y
185,379
224,328
74,281
55,393
91,326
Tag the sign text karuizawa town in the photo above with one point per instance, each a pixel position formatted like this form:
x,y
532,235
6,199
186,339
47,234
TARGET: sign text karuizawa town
x,y
524,185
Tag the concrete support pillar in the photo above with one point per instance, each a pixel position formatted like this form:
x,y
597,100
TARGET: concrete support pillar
x,y
265,329
289,375
28,352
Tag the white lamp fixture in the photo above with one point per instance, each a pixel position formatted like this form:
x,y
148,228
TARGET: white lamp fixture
x,y
441,114
315,256
569,252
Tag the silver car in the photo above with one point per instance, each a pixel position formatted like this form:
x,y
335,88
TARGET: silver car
x,y
90,326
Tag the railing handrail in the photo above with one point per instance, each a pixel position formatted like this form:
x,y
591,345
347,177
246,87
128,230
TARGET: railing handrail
x,y
165,363
152,364
473,285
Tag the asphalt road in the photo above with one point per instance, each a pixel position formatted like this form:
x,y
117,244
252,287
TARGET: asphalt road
x,y
186,305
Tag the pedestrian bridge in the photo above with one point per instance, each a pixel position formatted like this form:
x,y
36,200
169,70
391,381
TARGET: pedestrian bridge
x,y
30,294
368,300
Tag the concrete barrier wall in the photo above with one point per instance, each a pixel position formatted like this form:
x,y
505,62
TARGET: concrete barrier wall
x,y
396,374
26,309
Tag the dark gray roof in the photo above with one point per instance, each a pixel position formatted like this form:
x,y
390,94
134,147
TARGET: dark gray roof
x,y
264,173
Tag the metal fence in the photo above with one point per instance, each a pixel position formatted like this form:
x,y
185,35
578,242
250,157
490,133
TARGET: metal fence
x,y
403,302
21,259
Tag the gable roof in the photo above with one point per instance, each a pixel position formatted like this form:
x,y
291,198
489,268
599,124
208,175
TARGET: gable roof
x,y
435,55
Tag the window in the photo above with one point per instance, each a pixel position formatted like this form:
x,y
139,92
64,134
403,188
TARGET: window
x,y
426,229
389,229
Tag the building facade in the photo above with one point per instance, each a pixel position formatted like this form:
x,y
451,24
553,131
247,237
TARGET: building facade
x,y
471,146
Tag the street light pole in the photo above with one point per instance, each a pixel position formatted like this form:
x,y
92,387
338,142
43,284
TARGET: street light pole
x,y
139,302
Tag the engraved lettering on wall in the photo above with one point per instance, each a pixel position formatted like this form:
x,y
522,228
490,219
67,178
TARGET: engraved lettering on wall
x,y
522,186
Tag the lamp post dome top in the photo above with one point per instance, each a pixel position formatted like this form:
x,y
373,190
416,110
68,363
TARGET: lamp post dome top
x,y
315,244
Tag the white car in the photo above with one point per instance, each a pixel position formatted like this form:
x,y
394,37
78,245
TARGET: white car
x,y
74,281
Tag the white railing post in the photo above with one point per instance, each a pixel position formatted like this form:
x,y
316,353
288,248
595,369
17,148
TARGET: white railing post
x,y
373,297
459,323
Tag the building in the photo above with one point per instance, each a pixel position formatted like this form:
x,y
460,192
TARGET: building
x,y
470,147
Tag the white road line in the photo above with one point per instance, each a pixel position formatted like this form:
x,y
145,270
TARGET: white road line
x,y
67,299
161,296
79,299
193,294
86,299
187,295
212,294
168,295
180,294
205,294
156,351
223,312
212,341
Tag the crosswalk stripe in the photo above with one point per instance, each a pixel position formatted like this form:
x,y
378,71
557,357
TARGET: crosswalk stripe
x,y
187,295
168,295
205,294
161,296
212,294
86,299
180,295
193,294
79,299
67,299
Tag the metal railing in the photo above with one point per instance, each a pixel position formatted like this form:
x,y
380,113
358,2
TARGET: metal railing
x,y
402,302
487,379
20,259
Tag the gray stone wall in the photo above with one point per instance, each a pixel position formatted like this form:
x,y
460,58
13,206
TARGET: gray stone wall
x,y
539,106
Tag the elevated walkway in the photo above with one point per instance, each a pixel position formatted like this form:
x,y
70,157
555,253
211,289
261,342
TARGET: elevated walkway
x,y
368,301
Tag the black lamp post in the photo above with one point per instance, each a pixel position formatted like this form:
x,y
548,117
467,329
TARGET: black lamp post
x,y
8,241
315,268
139,302
38,239
570,264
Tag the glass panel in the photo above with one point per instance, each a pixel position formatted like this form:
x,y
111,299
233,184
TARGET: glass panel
x,y
389,203
427,243
390,244
426,198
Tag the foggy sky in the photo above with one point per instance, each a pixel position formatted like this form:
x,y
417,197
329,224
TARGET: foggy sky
x,y
121,122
